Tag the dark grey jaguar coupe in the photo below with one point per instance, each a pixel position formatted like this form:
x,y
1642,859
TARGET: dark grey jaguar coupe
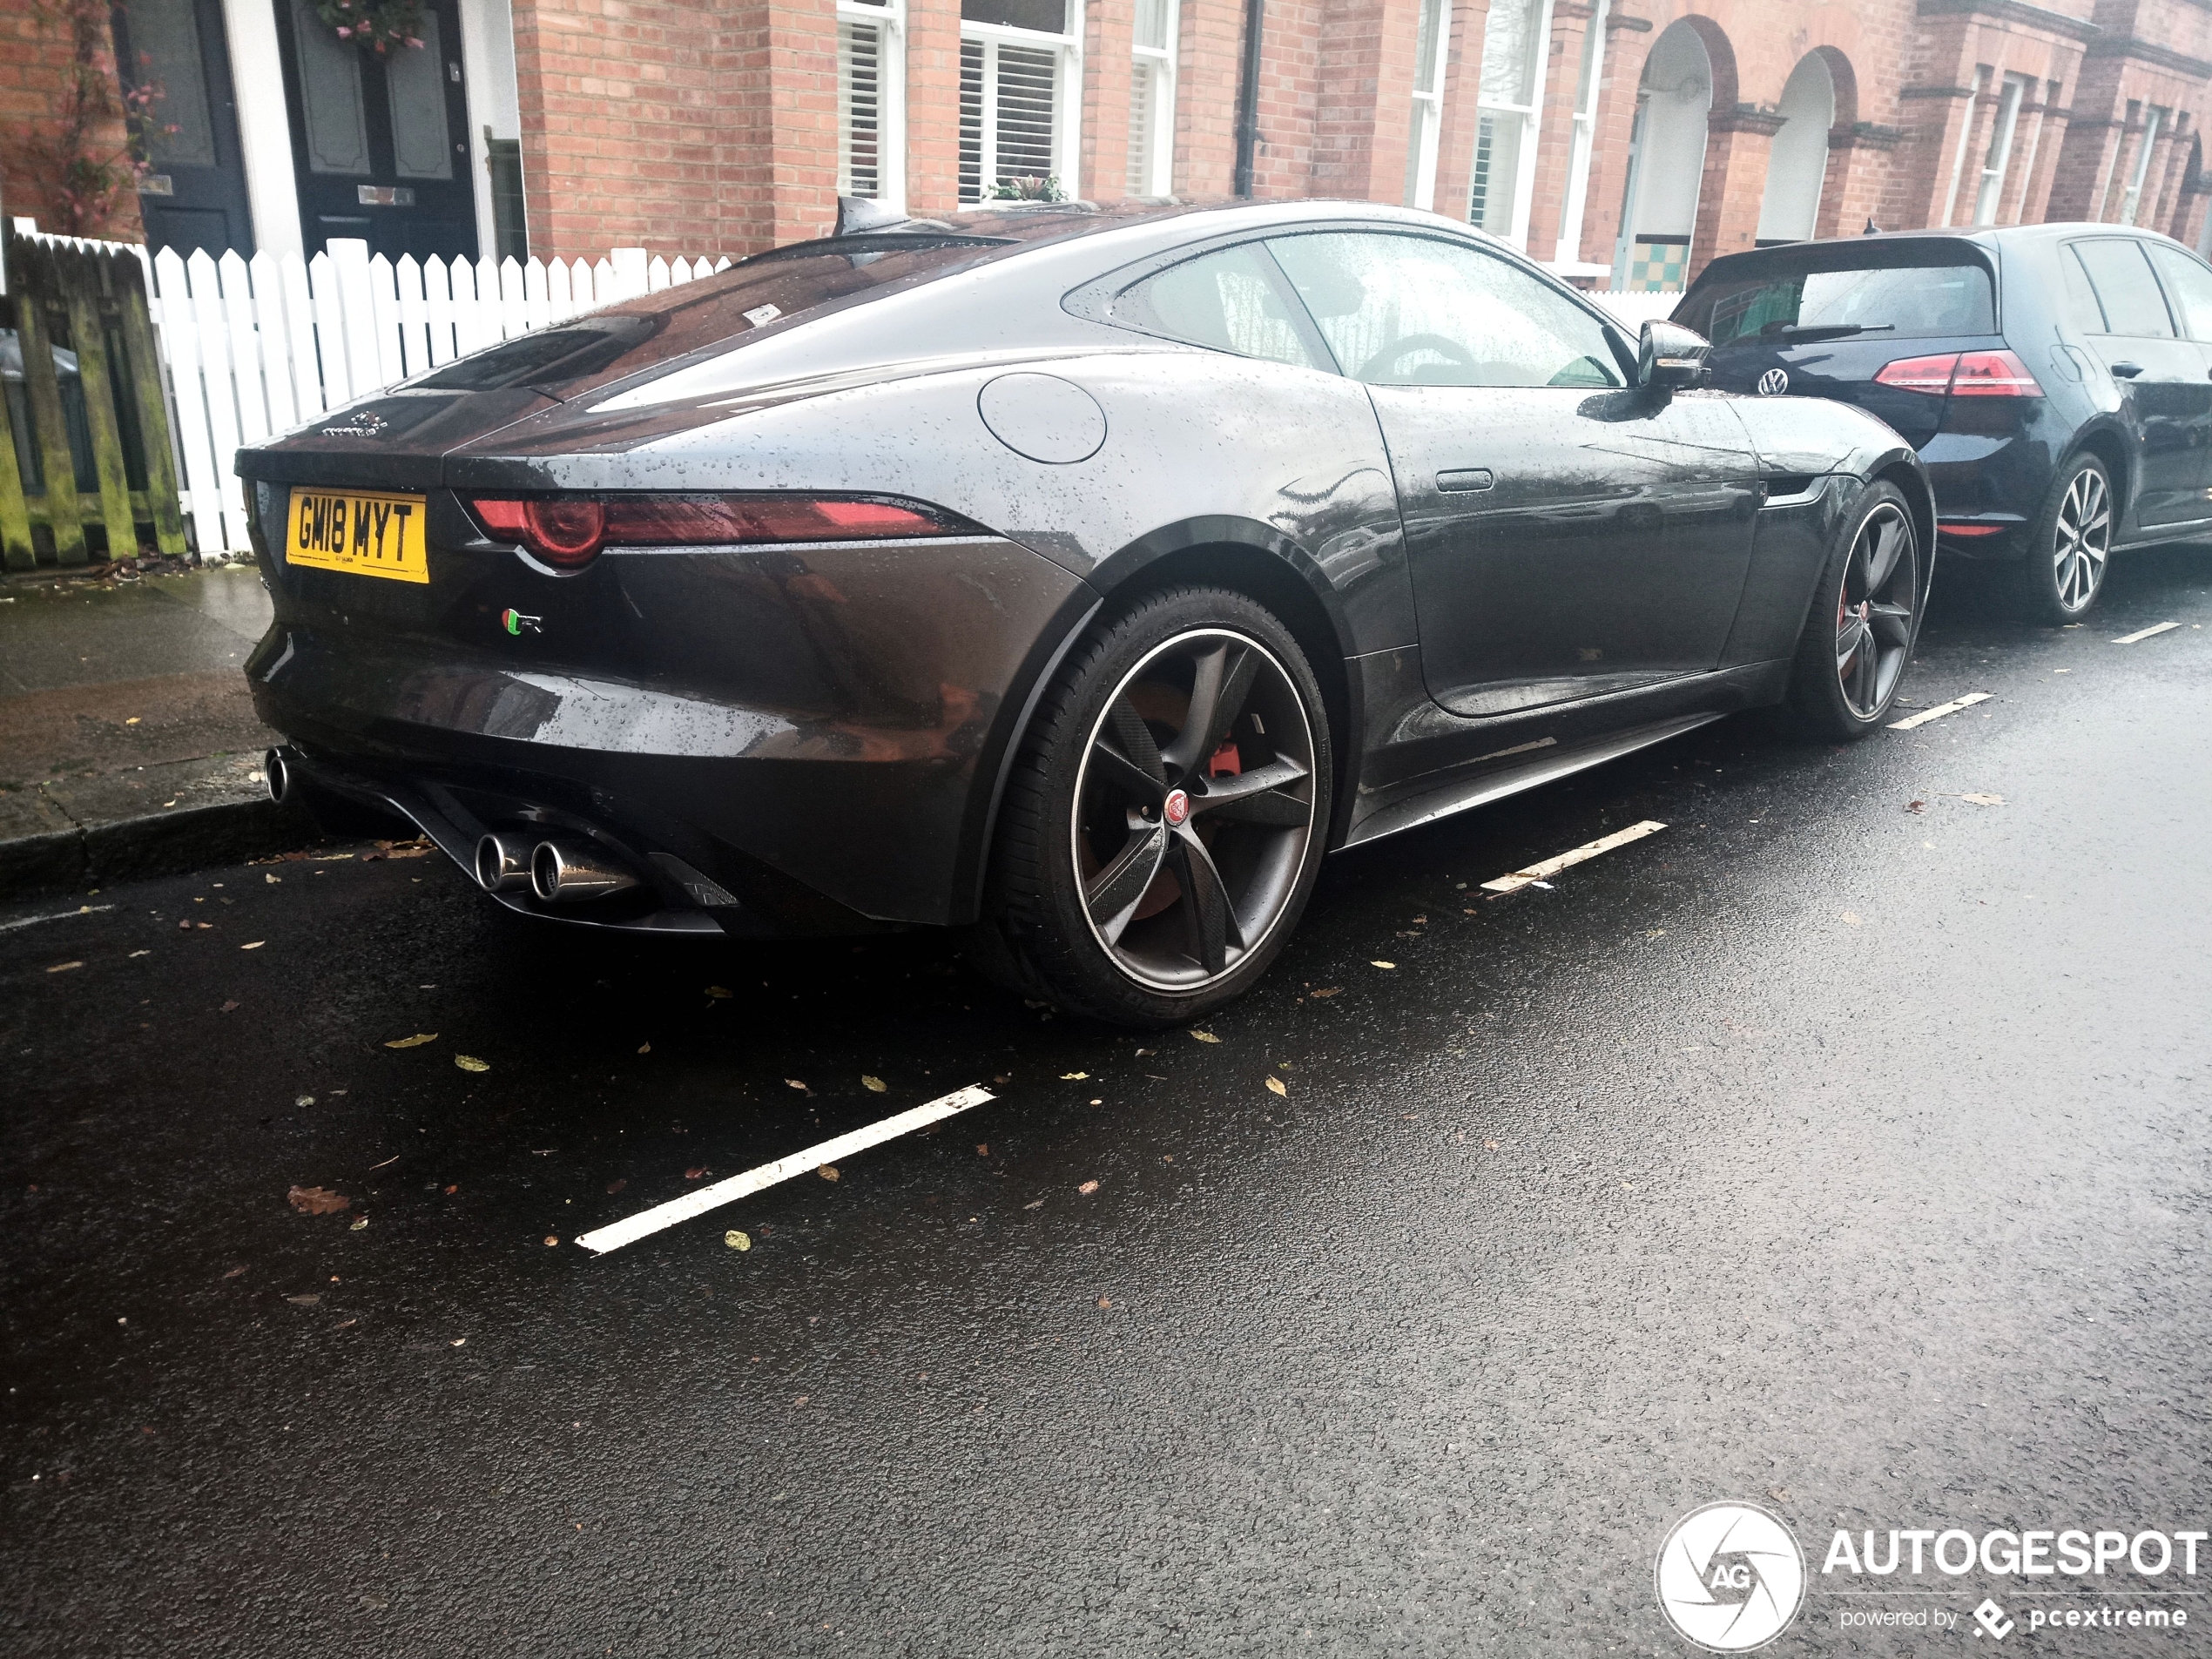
x,y
1078,576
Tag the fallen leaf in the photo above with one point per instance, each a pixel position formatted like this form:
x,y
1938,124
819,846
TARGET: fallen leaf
x,y
452,1189
1277,1086
1489,1146
874,1085
133,721
1914,806
719,991
230,1006
1780,1494
274,881
694,1172
414,1041
1206,1036
459,1342
1983,801
234,1272
1065,1077
256,945
304,1100
828,1172
139,952
793,1083
982,1149
736,1240
552,1238
63,967
469,1062
1382,964
617,1184
1105,1301
644,1048
1088,1188
1850,918
1034,1203
317,1201
307,1301
1327,990
359,1223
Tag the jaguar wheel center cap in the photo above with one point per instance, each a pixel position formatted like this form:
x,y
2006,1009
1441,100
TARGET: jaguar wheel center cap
x,y
1177,808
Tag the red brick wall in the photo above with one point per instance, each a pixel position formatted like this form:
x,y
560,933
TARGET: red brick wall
x,y
37,52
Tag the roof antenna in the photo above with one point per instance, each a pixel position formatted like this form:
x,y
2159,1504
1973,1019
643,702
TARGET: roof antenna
x,y
857,215
1872,229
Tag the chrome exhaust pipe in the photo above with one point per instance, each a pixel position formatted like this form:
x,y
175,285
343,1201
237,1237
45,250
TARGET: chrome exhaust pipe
x,y
502,862
276,774
567,872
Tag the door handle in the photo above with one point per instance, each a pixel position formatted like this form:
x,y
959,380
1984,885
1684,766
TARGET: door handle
x,y
1472,478
2127,371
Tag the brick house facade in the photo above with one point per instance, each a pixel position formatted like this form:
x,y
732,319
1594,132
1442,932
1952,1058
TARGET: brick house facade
x,y
1625,142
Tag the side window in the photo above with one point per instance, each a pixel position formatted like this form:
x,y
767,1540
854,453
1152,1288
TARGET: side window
x,y
2188,284
2133,305
1415,311
2081,307
1233,300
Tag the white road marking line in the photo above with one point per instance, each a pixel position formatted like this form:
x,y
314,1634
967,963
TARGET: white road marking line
x,y
648,1222
59,915
1540,874
1939,711
2145,633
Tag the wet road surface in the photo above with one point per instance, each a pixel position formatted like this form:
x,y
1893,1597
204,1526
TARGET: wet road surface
x,y
1823,1150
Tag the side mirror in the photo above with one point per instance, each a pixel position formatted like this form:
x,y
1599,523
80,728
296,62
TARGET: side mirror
x,y
1671,356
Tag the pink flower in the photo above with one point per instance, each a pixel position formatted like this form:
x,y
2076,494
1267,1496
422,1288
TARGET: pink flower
x,y
344,33
412,41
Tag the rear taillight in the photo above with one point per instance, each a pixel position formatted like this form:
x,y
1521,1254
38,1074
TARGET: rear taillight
x,y
569,530
1974,374
1993,373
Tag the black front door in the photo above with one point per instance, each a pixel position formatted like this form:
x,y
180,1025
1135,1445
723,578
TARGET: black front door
x,y
380,140
1569,534
193,195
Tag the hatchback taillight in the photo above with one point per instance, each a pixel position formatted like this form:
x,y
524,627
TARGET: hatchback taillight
x,y
1973,374
568,531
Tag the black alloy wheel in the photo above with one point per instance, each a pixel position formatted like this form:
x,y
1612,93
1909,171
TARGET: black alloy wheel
x,y
1875,603
1165,825
1858,640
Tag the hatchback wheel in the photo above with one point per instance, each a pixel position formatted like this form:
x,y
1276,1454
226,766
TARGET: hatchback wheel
x,y
2064,569
1165,824
1865,616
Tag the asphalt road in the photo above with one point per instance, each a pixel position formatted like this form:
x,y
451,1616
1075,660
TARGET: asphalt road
x,y
1825,1150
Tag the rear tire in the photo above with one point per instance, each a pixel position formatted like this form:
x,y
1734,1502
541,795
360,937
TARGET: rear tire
x,y
1163,825
2069,547
1865,621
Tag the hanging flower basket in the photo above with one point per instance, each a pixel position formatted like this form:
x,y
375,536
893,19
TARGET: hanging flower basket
x,y
374,26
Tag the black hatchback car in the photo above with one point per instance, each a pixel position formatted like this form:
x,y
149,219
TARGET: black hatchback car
x,y
2056,378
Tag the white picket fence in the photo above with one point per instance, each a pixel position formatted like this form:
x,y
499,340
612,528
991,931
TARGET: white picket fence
x,y
254,347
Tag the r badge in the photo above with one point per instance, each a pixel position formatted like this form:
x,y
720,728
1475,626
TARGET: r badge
x,y
1774,382
515,622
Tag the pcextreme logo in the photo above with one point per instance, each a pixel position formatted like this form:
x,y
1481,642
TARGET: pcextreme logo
x,y
1731,1577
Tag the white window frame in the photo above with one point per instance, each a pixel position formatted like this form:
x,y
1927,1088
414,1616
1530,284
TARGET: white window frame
x,y
1428,105
1158,66
1965,143
2132,203
890,23
1530,115
1067,94
1581,145
1989,196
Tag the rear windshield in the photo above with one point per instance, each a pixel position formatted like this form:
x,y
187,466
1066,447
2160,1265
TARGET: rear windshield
x,y
1798,300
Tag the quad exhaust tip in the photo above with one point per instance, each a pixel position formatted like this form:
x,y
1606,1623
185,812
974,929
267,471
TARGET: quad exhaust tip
x,y
276,772
568,872
503,862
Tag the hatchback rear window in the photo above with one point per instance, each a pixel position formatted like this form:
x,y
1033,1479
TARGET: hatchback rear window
x,y
1796,301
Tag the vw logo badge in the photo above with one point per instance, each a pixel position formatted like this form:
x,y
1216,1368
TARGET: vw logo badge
x,y
1774,382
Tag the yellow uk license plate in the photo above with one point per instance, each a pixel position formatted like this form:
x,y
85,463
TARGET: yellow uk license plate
x,y
364,531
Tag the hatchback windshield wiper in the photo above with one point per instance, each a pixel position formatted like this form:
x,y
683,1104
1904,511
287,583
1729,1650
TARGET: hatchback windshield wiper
x,y
1822,330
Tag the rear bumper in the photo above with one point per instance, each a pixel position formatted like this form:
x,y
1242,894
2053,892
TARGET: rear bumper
x,y
799,745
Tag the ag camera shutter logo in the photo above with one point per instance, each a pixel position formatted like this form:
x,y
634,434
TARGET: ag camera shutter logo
x,y
1731,1577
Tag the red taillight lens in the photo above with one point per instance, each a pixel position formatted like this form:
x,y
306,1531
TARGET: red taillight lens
x,y
1974,374
569,530
1931,375
1993,373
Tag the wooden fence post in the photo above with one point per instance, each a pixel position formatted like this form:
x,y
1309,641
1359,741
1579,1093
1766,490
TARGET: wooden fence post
x,y
82,279
34,267
144,366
